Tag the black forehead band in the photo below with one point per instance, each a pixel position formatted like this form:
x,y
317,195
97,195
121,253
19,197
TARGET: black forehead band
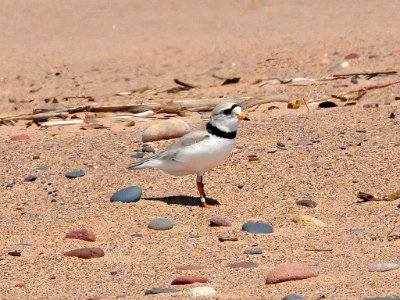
x,y
229,110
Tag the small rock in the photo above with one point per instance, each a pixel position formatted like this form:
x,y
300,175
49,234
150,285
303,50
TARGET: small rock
x,y
30,178
219,221
383,267
281,145
81,234
161,224
227,238
9,184
257,227
137,235
164,130
305,141
361,130
271,150
36,157
114,273
75,174
243,264
189,279
352,56
293,297
127,195
201,291
253,251
307,203
354,79
193,235
15,253
253,157
20,137
138,155
154,291
86,253
397,144
392,115
290,271
352,230
148,149
308,220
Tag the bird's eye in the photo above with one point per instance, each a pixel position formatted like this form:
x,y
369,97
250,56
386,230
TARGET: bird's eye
x,y
227,111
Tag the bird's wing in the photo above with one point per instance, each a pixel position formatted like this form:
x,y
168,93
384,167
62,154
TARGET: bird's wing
x,y
187,140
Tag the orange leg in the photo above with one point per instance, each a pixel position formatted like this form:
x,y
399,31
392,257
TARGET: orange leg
x,y
200,187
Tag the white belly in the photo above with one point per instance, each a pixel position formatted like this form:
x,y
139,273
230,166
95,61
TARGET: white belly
x,y
201,157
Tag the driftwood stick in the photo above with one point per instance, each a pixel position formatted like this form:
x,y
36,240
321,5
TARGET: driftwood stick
x,y
368,197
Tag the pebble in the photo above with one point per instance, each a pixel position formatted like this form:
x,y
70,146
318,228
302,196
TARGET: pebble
x,y
281,145
352,230
161,224
392,115
137,235
164,130
243,264
201,291
290,271
30,178
9,184
253,251
138,155
127,195
20,137
227,238
361,130
148,149
308,220
189,279
42,168
15,253
305,141
219,221
257,227
81,234
307,203
383,267
293,297
194,235
75,174
86,253
352,56
154,291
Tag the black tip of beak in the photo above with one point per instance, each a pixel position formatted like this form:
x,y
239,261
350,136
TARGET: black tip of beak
x,y
246,119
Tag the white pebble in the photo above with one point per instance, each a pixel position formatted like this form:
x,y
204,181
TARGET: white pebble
x,y
202,291
383,267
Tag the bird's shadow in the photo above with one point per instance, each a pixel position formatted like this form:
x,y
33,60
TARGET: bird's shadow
x,y
183,200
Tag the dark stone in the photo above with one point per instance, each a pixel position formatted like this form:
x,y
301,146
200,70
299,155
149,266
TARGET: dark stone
x,y
137,235
307,203
154,291
75,174
392,115
148,149
293,297
281,145
15,253
228,239
127,195
257,227
114,273
138,155
253,251
30,178
361,130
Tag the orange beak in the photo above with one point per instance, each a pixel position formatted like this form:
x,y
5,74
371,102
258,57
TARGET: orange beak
x,y
243,117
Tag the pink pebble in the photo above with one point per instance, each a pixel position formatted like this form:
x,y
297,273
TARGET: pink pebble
x,y
20,137
187,279
81,234
290,271
86,253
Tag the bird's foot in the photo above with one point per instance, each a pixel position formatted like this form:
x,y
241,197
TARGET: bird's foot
x,y
203,203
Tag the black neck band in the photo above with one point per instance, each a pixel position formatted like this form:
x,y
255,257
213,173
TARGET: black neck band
x,y
219,133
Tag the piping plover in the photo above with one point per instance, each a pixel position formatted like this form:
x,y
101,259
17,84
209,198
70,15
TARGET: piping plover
x,y
200,150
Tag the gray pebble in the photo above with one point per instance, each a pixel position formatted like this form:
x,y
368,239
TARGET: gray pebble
x,y
30,178
161,224
253,251
383,267
148,149
257,227
281,145
127,195
9,184
154,291
293,297
307,203
75,174
137,235
193,235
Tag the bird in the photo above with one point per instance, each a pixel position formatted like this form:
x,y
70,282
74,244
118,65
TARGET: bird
x,y
200,150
